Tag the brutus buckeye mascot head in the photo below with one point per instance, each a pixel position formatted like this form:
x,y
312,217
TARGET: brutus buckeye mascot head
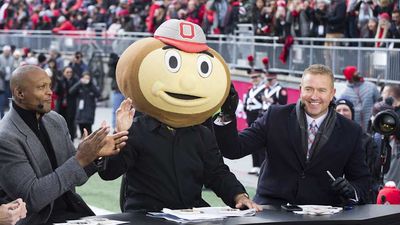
x,y
174,76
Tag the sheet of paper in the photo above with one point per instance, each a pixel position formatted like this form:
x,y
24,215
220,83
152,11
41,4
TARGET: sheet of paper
x,y
318,210
201,214
92,221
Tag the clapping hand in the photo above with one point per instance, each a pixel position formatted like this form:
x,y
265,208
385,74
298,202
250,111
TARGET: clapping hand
x,y
113,143
124,115
98,144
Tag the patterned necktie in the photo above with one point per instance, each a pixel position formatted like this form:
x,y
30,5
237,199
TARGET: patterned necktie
x,y
312,132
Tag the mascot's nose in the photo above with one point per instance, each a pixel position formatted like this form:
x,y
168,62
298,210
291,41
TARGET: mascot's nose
x,y
187,82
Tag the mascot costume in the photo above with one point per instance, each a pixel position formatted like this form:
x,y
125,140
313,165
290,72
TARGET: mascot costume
x,y
177,82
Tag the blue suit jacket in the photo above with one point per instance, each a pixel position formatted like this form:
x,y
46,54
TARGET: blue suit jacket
x,y
285,176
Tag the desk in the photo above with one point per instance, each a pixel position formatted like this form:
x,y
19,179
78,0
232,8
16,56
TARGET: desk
x,y
362,215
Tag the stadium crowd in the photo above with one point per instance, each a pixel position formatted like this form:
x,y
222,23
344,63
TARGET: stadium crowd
x,y
298,18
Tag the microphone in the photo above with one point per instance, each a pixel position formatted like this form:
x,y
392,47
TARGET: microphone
x,y
40,105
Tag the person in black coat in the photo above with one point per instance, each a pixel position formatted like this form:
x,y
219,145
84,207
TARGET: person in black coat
x,y
66,102
87,92
298,157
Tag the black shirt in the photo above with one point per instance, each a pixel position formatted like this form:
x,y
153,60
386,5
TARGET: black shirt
x,y
168,167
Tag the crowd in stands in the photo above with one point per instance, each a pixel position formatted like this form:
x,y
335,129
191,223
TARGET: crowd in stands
x,y
298,18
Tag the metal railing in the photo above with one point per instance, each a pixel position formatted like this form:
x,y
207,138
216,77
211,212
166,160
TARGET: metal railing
x,y
377,64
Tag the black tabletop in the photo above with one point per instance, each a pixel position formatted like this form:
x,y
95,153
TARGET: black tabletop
x,y
365,214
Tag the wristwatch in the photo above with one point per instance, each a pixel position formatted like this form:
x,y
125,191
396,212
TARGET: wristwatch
x,y
100,163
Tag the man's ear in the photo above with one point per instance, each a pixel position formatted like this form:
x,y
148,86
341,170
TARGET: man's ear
x,y
18,93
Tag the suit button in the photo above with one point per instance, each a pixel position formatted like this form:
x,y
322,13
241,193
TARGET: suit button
x,y
302,175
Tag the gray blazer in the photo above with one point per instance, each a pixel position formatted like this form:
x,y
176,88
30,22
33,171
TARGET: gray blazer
x,y
26,172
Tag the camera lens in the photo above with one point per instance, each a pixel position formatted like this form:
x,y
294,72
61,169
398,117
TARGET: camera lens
x,y
386,122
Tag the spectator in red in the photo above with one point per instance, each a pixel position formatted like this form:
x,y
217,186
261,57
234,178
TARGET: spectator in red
x,y
152,13
64,24
194,13
383,28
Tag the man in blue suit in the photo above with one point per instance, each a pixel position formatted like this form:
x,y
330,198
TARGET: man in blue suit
x,y
303,141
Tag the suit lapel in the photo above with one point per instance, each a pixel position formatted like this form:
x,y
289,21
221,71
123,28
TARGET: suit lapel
x,y
295,137
57,141
33,145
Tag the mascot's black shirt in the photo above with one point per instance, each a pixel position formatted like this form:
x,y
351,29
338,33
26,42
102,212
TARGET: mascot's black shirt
x,y
167,168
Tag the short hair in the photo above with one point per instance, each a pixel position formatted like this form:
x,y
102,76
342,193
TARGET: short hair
x,y
319,69
78,53
86,73
18,75
395,90
6,48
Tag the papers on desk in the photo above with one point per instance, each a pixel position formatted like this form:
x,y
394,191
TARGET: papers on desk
x,y
318,210
92,221
200,214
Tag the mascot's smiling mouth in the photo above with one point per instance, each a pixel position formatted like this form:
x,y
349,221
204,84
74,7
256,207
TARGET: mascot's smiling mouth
x,y
182,96
180,100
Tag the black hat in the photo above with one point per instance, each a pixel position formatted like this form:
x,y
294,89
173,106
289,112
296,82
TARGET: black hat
x,y
252,73
348,103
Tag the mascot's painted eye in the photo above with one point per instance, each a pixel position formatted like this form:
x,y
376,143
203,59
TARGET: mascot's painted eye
x,y
204,66
173,60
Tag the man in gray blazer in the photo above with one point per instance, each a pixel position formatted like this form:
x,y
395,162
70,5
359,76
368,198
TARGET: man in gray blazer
x,y
38,161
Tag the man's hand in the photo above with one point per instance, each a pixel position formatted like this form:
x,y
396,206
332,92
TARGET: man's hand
x,y
124,115
91,145
12,212
243,201
228,109
343,188
113,144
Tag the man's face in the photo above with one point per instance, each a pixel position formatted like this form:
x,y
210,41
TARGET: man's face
x,y
386,92
344,110
396,18
255,80
7,53
316,93
78,58
37,92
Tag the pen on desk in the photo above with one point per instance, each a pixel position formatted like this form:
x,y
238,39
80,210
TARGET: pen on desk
x,y
330,175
